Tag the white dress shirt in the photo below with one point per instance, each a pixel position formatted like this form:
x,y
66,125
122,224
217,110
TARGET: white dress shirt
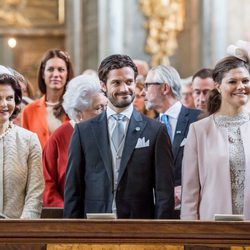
x,y
112,122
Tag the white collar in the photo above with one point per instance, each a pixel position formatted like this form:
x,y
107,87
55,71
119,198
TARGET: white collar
x,y
174,110
126,112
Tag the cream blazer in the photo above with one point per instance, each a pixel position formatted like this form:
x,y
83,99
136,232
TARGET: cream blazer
x,y
206,183
21,177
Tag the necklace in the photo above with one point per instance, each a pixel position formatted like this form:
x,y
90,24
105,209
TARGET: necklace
x,y
51,104
6,130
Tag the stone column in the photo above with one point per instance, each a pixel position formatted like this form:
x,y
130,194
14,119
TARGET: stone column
x,y
111,31
81,33
214,31
6,53
121,29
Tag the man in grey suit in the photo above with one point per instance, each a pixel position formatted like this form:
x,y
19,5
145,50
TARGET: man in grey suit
x,y
162,93
120,161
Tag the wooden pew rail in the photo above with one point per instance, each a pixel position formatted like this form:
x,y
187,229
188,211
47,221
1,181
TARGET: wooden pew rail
x,y
117,232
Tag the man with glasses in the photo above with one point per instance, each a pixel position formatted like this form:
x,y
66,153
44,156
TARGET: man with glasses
x,y
162,93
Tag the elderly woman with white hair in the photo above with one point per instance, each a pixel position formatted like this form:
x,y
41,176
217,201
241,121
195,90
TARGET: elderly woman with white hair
x,y
82,100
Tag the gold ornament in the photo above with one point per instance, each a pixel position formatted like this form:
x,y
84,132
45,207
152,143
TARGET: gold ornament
x,y
165,21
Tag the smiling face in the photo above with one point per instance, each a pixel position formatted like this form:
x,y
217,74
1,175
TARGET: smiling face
x,y
235,90
7,103
55,74
120,88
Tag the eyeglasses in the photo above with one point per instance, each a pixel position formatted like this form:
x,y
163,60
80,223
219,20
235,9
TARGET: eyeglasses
x,y
146,84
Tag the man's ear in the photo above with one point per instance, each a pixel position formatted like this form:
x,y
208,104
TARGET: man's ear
x,y
103,86
166,89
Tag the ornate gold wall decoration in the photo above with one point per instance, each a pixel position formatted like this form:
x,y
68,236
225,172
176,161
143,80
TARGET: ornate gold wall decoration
x,y
31,13
11,12
165,19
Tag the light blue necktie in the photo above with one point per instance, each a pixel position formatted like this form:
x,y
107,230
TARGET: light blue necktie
x,y
118,133
164,119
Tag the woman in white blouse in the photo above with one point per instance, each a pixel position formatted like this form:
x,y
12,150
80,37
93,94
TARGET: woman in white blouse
x,y
21,179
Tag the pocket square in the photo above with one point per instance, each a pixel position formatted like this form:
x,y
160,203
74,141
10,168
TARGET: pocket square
x,y
142,143
183,142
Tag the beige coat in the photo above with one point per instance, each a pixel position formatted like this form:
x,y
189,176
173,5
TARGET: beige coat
x,y
206,172
21,178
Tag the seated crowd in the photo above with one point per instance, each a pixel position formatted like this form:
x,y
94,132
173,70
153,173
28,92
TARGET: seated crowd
x,y
131,140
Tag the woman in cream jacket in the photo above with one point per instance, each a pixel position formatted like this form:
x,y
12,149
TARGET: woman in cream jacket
x,y
216,162
21,179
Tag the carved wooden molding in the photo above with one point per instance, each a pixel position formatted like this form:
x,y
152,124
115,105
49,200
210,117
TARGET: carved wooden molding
x,y
32,31
74,231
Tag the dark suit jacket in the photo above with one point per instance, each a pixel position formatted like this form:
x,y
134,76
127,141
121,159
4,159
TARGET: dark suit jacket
x,y
145,183
186,117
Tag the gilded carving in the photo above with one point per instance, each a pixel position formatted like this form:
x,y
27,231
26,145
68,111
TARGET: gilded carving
x,y
165,19
11,12
31,13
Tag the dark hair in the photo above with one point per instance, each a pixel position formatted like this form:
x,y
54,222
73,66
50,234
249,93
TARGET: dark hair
x,y
58,109
221,68
6,79
203,74
115,62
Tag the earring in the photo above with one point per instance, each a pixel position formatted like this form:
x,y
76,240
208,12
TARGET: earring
x,y
80,116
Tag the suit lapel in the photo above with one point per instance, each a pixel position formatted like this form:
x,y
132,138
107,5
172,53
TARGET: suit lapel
x,y
180,131
100,130
135,128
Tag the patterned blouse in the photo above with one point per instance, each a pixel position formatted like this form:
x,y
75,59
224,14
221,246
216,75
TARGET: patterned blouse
x,y
236,156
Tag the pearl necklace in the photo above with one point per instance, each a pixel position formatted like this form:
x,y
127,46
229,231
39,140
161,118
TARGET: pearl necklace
x,y
7,130
51,104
